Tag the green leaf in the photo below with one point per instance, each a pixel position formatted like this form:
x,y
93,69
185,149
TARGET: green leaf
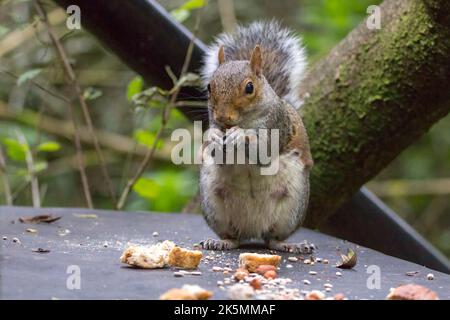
x,y
49,146
147,188
3,30
193,4
134,87
40,166
146,138
28,75
15,150
180,15
92,93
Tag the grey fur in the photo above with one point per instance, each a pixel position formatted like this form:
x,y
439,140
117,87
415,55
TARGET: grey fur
x,y
283,55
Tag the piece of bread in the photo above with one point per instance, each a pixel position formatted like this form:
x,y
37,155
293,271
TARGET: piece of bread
x,y
155,256
251,261
184,258
412,292
187,292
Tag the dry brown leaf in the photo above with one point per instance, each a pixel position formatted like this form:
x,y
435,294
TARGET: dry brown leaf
x,y
348,261
44,218
40,250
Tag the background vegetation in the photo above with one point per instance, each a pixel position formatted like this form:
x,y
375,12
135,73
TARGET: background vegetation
x,y
35,120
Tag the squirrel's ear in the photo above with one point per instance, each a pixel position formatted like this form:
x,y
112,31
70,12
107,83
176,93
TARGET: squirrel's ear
x,y
256,60
221,55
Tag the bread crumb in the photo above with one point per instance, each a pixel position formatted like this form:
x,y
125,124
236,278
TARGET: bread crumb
x,y
251,261
184,258
155,256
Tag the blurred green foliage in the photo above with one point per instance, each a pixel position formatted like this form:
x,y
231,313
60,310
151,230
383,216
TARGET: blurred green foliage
x,y
121,102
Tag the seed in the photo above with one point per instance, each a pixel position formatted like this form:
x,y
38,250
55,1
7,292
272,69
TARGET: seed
x,y
318,259
289,266
339,274
325,261
328,285
262,269
312,273
220,283
339,296
307,261
16,240
256,284
178,274
30,230
155,234
105,244
196,273
307,282
430,276
240,274
216,269
5,238
293,259
271,274
327,289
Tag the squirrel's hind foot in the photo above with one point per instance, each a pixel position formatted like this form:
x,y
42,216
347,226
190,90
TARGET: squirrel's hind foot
x,y
219,245
302,247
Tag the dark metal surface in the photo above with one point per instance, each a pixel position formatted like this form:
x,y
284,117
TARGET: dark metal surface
x,y
29,275
366,220
143,35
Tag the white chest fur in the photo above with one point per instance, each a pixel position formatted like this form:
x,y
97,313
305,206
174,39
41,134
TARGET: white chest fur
x,y
240,202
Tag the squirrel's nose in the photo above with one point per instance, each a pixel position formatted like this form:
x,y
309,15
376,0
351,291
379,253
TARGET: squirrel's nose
x,y
223,118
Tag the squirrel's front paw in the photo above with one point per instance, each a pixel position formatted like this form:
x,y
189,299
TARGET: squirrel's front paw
x,y
214,244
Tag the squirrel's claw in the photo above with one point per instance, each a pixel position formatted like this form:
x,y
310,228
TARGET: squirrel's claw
x,y
303,247
214,244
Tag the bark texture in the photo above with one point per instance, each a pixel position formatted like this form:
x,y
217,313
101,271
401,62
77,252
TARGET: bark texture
x,y
374,95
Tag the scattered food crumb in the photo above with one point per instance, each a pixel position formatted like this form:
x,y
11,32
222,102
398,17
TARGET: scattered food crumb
x,y
430,276
293,259
105,244
313,273
240,292
184,258
339,274
31,230
325,261
216,269
315,295
240,274
196,273
328,285
155,234
289,266
16,240
307,261
412,273
5,238
251,261
411,292
262,269
178,274
187,292
307,282
152,257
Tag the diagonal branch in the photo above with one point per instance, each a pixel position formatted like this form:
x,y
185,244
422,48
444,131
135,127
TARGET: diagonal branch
x,y
73,81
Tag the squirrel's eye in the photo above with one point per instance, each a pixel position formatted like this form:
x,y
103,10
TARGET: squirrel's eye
x,y
209,88
249,88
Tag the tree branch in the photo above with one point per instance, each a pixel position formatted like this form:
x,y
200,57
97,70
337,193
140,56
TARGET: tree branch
x,y
73,81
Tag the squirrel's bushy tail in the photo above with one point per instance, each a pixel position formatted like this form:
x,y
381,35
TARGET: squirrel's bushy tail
x,y
284,58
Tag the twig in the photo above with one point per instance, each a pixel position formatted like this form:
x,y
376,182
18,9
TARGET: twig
x,y
65,129
35,194
165,117
5,180
52,93
80,160
227,15
76,86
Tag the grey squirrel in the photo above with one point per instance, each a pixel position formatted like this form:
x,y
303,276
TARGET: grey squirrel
x,y
253,78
